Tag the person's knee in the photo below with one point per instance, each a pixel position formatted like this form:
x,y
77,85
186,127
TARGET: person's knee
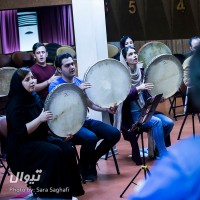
x,y
171,123
157,123
54,150
114,135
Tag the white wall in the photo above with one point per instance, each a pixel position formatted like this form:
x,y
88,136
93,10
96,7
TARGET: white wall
x,y
90,36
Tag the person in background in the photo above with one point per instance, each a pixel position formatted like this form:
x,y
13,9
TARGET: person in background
x,y
92,130
160,124
194,42
126,41
29,153
43,72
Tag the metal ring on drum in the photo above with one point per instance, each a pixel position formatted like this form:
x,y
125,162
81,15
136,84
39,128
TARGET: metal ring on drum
x,y
68,104
166,73
111,83
6,74
151,50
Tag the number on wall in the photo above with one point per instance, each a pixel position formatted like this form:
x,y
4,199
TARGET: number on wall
x,y
132,6
180,6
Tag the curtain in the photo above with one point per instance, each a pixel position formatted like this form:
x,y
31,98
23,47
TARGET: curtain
x,y
9,31
56,25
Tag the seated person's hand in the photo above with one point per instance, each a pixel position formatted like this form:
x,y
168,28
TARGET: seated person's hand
x,y
45,116
162,100
145,86
85,85
112,110
69,137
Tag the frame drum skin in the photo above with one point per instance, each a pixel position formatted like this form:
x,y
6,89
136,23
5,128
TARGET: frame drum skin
x,y
6,74
150,50
110,81
68,104
166,73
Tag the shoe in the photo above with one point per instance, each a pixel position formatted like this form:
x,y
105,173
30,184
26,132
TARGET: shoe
x,y
92,170
91,174
74,198
145,152
89,178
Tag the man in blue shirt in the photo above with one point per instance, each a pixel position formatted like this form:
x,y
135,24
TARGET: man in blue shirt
x,y
92,130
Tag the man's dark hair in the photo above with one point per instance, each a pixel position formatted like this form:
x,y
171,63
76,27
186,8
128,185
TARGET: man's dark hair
x,y
37,45
193,38
60,57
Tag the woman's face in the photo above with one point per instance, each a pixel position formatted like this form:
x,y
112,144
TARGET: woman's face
x,y
131,57
129,43
29,82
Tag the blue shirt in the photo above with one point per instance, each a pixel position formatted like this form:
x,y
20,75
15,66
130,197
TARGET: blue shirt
x,y
59,80
176,176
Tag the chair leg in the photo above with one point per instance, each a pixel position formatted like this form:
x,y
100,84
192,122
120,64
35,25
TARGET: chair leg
x,y
193,126
106,156
78,161
115,161
179,135
171,104
174,109
4,176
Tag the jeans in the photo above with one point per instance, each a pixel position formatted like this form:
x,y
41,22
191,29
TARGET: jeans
x,y
88,136
161,126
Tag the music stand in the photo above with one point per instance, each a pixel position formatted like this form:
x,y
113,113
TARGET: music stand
x,y
146,114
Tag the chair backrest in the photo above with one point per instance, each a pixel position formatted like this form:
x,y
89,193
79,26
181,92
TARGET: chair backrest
x,y
21,59
66,49
5,60
3,126
180,57
3,103
112,50
51,49
191,106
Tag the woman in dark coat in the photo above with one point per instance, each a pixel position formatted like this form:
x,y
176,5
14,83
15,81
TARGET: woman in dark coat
x,y
29,151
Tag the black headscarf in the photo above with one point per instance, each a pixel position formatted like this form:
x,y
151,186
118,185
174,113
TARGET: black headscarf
x,y
17,90
22,106
19,98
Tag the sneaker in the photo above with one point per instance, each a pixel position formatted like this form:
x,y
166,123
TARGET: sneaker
x,y
74,198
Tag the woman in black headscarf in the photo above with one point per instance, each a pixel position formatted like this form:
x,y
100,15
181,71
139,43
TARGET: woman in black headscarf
x,y
30,154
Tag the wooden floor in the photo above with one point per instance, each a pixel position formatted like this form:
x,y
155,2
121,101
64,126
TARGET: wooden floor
x,y
109,185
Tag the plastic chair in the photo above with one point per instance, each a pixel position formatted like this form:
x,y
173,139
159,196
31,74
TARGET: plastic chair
x,y
112,50
66,49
